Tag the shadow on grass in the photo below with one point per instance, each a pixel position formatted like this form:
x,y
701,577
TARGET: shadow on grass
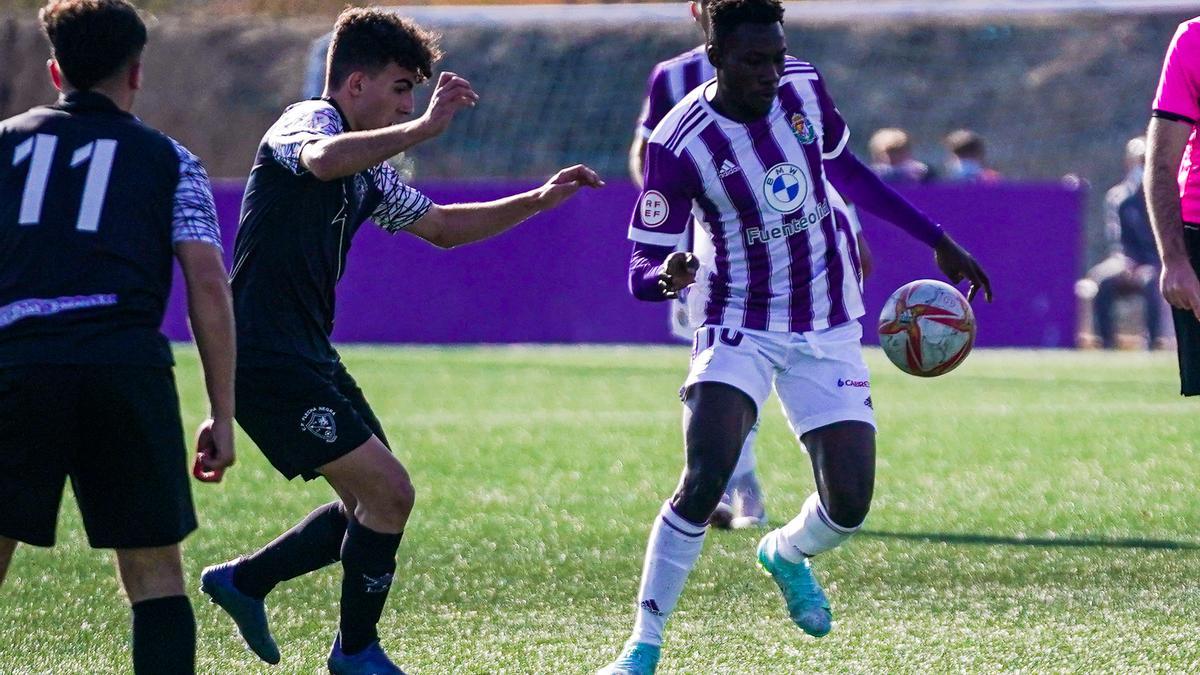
x,y
992,540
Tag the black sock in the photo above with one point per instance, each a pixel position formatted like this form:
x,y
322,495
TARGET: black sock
x,y
368,561
164,636
313,543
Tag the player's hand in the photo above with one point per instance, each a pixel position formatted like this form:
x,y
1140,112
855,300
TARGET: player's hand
x,y
451,94
566,183
214,450
678,272
957,264
1180,286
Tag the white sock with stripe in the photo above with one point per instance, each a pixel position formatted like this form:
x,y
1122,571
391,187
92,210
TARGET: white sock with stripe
x,y
675,544
811,532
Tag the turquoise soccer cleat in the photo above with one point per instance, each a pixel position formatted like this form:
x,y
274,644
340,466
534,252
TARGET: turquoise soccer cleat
x,y
370,661
637,658
806,602
250,614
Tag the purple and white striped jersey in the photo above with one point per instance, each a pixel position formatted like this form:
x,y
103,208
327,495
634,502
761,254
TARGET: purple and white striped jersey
x,y
669,82
780,261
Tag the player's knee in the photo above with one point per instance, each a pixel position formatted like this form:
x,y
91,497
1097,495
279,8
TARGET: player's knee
x,y
399,497
150,572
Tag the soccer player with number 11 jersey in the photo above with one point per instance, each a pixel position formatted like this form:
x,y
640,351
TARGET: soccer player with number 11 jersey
x,y
747,155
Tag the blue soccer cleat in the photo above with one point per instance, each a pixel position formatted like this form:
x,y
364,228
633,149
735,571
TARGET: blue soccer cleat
x,y
250,614
806,602
370,661
637,658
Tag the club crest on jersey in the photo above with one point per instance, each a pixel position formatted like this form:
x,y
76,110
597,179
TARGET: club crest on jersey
x,y
319,422
803,128
654,209
786,187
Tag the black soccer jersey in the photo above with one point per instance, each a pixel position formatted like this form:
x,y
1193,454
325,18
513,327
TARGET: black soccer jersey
x,y
91,203
295,234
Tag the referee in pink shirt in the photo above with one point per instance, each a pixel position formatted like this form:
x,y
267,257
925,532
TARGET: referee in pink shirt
x,y
1173,192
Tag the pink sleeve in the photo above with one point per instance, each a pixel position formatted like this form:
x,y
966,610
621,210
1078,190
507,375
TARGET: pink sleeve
x,y
1179,87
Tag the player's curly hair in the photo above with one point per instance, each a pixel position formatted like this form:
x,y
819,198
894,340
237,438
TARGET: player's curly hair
x,y
367,39
726,15
92,39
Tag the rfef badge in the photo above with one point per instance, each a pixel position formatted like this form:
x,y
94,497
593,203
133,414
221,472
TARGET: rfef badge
x,y
654,208
803,128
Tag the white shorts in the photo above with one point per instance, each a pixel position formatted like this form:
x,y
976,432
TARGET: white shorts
x,y
820,376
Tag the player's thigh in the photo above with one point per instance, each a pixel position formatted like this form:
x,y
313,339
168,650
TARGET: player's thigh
x,y
37,427
1187,328
819,389
735,358
130,473
148,573
372,475
298,416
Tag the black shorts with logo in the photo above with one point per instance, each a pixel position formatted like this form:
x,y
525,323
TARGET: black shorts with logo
x,y
302,414
115,432
1187,328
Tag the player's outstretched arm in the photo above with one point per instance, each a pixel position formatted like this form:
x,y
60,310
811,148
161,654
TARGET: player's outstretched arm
x,y
352,152
458,224
1166,141
210,309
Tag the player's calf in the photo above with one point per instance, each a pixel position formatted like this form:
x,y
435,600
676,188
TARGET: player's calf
x,y
164,628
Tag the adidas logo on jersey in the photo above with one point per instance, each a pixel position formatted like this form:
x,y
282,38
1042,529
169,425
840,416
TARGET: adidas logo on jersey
x,y
728,168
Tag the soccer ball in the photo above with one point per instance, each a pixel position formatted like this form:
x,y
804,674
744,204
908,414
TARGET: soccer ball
x,y
927,328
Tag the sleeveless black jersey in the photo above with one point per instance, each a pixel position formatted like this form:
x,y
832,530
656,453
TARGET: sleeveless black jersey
x,y
295,233
91,203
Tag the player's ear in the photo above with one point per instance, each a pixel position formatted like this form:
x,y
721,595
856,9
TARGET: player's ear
x,y
714,54
135,76
355,82
696,9
55,74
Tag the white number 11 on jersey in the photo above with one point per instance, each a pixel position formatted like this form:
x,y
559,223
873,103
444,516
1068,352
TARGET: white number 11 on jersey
x,y
39,150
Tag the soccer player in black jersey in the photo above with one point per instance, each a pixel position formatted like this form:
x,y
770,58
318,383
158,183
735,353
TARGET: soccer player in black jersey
x,y
93,206
319,174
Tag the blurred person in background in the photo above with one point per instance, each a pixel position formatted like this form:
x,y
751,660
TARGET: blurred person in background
x,y
1173,192
742,504
1131,267
892,159
967,162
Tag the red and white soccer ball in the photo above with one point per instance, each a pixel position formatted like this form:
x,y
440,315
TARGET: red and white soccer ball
x,y
927,328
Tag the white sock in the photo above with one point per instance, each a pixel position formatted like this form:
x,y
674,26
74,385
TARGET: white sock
x,y
746,461
674,546
811,532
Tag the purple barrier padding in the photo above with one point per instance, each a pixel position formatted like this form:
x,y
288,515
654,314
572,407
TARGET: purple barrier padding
x,y
560,277
1029,240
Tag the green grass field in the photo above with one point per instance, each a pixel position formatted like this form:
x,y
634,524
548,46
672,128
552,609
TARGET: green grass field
x,y
1034,512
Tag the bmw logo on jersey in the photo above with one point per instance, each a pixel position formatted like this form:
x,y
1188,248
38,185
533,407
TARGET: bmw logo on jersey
x,y
786,187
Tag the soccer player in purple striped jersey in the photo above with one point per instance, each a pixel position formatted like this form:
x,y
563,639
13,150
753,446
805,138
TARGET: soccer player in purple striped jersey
x,y
748,155
742,503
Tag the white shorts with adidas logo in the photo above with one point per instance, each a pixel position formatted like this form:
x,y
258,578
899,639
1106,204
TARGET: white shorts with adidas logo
x,y
820,376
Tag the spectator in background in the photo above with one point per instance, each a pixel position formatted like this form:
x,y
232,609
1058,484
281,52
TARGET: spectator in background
x,y
892,160
967,159
1132,265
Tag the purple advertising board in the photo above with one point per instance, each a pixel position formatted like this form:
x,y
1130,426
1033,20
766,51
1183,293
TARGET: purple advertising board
x,y
561,277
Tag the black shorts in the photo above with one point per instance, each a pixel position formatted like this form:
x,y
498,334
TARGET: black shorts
x,y
303,415
115,432
1187,328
